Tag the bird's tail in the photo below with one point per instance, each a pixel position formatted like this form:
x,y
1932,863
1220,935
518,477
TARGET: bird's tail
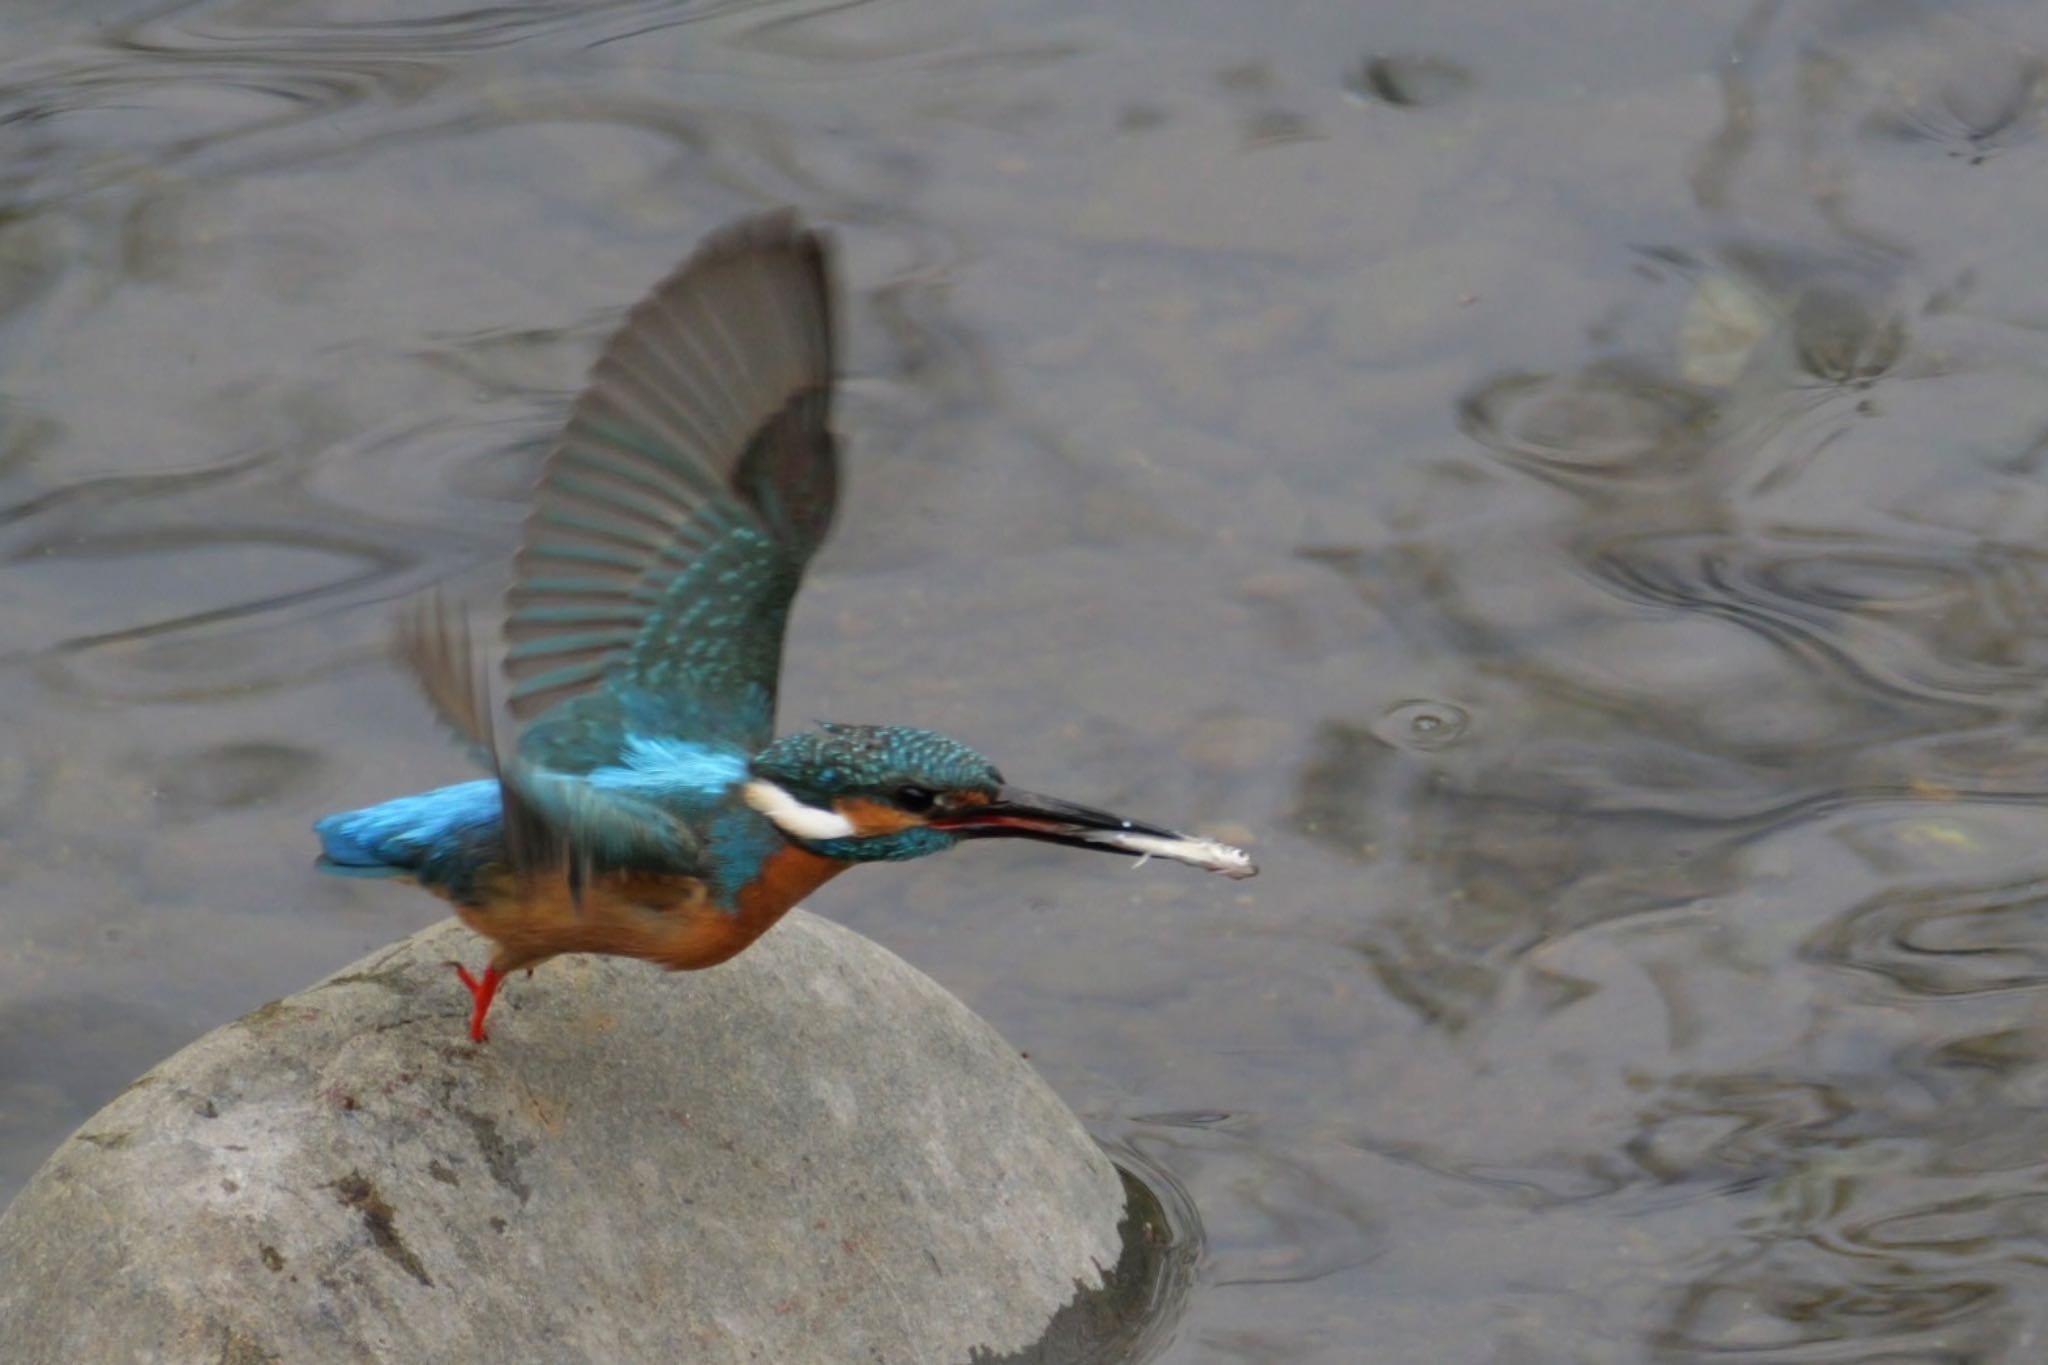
x,y
348,849
410,835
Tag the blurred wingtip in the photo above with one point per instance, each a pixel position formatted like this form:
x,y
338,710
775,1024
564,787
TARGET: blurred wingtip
x,y
437,646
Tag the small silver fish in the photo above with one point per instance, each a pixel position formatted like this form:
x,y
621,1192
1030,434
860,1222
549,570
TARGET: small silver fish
x,y
1208,854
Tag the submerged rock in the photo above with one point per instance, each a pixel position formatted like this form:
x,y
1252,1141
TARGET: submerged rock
x,y
813,1153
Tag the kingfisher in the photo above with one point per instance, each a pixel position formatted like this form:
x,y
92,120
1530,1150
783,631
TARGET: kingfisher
x,y
645,807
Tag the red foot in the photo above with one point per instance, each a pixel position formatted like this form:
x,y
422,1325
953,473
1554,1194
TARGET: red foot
x,y
483,992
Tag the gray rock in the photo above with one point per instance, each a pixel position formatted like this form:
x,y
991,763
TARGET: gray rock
x,y
812,1153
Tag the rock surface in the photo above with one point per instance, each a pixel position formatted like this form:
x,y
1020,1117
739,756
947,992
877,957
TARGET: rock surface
x,y
813,1153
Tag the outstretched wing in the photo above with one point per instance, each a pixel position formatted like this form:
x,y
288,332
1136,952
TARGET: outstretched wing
x,y
695,478
549,819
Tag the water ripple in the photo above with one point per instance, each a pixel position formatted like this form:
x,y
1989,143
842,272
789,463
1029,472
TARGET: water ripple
x,y
235,91
269,28
1971,93
132,587
1593,426
1423,725
1945,940
164,112
1960,629
1779,1308
1731,1130
1284,1222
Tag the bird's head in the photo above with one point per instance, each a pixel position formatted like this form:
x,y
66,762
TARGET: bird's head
x,y
872,793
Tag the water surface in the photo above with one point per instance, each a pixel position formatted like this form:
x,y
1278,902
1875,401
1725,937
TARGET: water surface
x,y
1566,481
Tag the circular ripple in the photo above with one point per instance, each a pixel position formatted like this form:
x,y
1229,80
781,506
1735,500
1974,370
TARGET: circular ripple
x,y
1603,422
1423,725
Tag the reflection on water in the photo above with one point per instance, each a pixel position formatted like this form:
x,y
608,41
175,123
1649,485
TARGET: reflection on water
x,y
1572,489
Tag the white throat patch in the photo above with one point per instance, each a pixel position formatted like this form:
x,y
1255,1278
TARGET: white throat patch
x,y
792,816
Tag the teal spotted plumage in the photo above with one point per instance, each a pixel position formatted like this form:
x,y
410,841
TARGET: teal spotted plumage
x,y
646,807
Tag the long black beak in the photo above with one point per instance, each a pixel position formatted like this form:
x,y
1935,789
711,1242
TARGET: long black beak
x,y
1014,814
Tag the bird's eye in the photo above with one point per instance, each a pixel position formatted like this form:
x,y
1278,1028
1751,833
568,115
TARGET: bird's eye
x,y
916,800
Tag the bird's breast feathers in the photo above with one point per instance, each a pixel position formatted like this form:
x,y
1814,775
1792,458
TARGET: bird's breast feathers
x,y
664,918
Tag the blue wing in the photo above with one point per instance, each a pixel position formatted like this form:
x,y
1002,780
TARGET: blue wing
x,y
694,480
635,813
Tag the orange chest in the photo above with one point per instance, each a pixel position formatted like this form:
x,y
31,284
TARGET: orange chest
x,y
711,935
787,876
669,920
